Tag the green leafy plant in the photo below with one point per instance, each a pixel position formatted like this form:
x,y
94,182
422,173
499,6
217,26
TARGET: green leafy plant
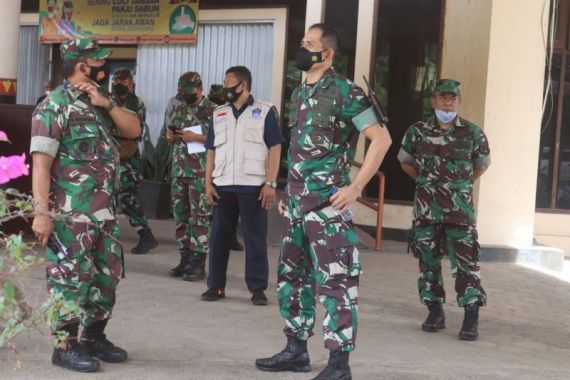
x,y
155,161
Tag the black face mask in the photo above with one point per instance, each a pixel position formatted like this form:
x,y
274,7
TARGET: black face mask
x,y
96,70
231,94
305,59
190,98
120,89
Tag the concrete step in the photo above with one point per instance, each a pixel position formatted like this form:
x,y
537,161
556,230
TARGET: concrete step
x,y
537,255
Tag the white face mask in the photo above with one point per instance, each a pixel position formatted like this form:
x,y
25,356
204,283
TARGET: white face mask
x,y
48,92
445,117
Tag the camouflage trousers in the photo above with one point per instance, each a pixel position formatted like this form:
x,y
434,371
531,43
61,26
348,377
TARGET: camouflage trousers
x,y
430,241
319,256
192,214
90,274
128,192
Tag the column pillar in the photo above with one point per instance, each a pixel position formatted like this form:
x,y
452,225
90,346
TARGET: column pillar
x,y
315,12
500,60
365,38
9,41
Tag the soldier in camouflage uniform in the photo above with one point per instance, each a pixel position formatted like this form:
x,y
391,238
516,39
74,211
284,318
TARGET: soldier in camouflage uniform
x,y
192,214
445,156
319,253
123,94
75,175
216,95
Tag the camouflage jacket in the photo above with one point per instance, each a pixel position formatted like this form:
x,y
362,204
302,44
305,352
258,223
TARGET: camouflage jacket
x,y
184,164
445,161
79,136
173,104
135,104
326,119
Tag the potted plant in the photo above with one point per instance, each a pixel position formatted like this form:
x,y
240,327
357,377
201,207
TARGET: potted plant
x,y
154,190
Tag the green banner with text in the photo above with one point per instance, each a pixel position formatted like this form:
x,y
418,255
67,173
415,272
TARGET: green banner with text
x,y
120,21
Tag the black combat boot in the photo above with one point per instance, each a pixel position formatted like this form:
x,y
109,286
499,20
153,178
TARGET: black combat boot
x,y
294,357
435,320
337,367
196,271
470,323
71,355
146,242
97,344
184,265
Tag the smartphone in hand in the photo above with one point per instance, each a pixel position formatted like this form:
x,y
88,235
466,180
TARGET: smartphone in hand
x,y
173,128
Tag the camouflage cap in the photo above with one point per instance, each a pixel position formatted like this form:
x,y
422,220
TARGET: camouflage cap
x,y
216,91
83,48
123,73
450,86
188,82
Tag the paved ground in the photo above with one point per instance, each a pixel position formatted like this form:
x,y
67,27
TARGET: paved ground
x,y
170,334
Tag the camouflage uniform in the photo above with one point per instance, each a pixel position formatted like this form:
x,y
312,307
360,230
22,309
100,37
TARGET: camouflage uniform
x,y
319,252
192,214
171,106
216,94
85,170
444,218
131,167
173,103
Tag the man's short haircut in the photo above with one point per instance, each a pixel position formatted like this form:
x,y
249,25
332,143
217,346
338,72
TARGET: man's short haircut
x,y
329,37
242,74
68,66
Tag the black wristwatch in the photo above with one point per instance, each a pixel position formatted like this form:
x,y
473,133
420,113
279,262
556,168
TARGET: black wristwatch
x,y
272,184
112,104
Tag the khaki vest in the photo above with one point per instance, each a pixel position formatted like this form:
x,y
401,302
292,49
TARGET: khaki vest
x,y
241,153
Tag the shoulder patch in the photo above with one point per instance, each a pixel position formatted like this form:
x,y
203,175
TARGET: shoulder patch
x,y
256,113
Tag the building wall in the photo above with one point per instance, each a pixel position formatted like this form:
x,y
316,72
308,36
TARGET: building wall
x,y
512,121
553,230
465,57
465,45
499,59
248,44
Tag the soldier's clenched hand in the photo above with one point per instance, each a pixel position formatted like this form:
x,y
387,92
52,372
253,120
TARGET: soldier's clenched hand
x,y
344,197
91,90
42,227
188,136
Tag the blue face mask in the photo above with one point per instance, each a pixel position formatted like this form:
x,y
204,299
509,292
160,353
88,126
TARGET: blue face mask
x,y
445,117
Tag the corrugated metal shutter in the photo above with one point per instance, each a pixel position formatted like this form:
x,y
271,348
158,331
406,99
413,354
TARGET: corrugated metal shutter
x,y
33,65
220,45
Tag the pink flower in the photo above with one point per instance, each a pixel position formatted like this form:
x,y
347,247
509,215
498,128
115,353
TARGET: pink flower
x,y
12,167
4,137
